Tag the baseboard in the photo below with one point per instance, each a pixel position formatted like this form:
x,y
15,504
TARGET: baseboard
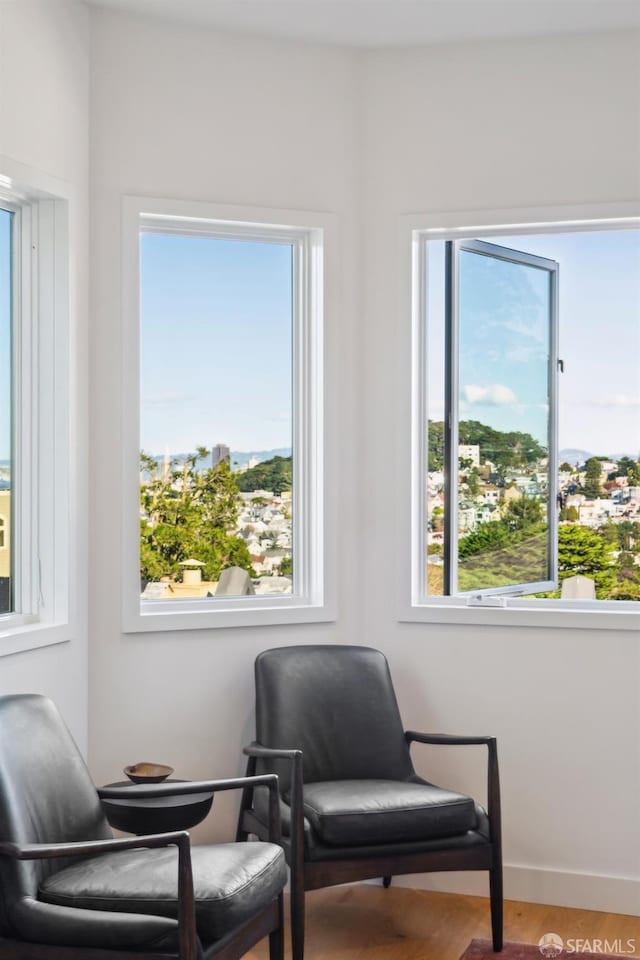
x,y
533,885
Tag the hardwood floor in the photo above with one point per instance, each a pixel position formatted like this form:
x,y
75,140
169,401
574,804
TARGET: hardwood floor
x,y
369,923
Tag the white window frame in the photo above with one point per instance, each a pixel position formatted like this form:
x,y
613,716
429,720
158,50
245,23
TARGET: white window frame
x,y
413,605
41,458
452,410
312,236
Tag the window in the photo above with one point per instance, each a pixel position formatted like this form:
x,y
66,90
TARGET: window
x,y
34,413
501,362
6,404
527,402
229,519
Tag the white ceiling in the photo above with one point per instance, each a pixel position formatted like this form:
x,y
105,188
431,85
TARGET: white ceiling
x,y
376,23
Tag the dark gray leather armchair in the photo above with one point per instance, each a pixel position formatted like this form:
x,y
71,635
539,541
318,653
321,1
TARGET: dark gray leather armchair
x,y
352,804
70,891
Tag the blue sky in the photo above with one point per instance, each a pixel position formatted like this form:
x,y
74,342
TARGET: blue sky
x,y
501,369
216,319
216,341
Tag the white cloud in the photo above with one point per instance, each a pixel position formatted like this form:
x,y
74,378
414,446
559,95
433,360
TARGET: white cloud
x,y
495,395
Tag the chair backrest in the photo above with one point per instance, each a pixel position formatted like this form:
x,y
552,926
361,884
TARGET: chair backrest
x,y
336,704
46,793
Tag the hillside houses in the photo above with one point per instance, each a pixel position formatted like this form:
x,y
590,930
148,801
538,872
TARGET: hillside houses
x,y
264,522
493,493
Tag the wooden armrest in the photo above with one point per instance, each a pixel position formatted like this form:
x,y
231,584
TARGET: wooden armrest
x,y
447,739
493,775
189,945
49,851
257,752
270,753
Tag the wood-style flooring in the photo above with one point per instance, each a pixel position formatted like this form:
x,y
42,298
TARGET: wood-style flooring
x,y
369,923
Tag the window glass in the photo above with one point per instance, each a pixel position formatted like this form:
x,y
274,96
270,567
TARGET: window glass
x,y
6,411
505,327
216,475
502,411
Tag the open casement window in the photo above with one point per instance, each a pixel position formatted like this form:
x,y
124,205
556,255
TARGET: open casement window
x,y
500,307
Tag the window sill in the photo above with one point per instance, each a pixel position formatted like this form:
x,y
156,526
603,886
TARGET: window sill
x,y
18,637
150,619
568,617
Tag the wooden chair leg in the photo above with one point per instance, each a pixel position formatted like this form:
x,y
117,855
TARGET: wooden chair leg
x,y
297,915
276,937
495,890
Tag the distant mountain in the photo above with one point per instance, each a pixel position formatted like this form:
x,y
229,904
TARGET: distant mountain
x,y
619,456
573,456
238,458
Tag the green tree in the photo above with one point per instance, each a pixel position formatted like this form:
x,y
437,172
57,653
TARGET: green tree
x,y
627,590
627,535
627,570
435,445
522,520
592,474
473,482
569,514
609,532
627,467
583,551
490,536
524,514
437,519
275,475
187,513
503,448
566,467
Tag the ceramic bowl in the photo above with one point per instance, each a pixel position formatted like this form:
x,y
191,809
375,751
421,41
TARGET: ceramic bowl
x,y
148,772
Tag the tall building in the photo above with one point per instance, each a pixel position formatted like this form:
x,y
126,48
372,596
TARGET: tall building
x,y
219,452
470,451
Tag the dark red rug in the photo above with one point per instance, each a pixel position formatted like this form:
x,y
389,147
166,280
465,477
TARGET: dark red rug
x,y
482,950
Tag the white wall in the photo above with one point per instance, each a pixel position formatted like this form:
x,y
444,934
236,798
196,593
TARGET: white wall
x,y
188,113
483,126
44,126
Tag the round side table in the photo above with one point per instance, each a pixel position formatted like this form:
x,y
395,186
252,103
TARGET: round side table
x,y
156,814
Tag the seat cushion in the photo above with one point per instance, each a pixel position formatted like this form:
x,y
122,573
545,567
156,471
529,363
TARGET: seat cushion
x,y
353,812
232,882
